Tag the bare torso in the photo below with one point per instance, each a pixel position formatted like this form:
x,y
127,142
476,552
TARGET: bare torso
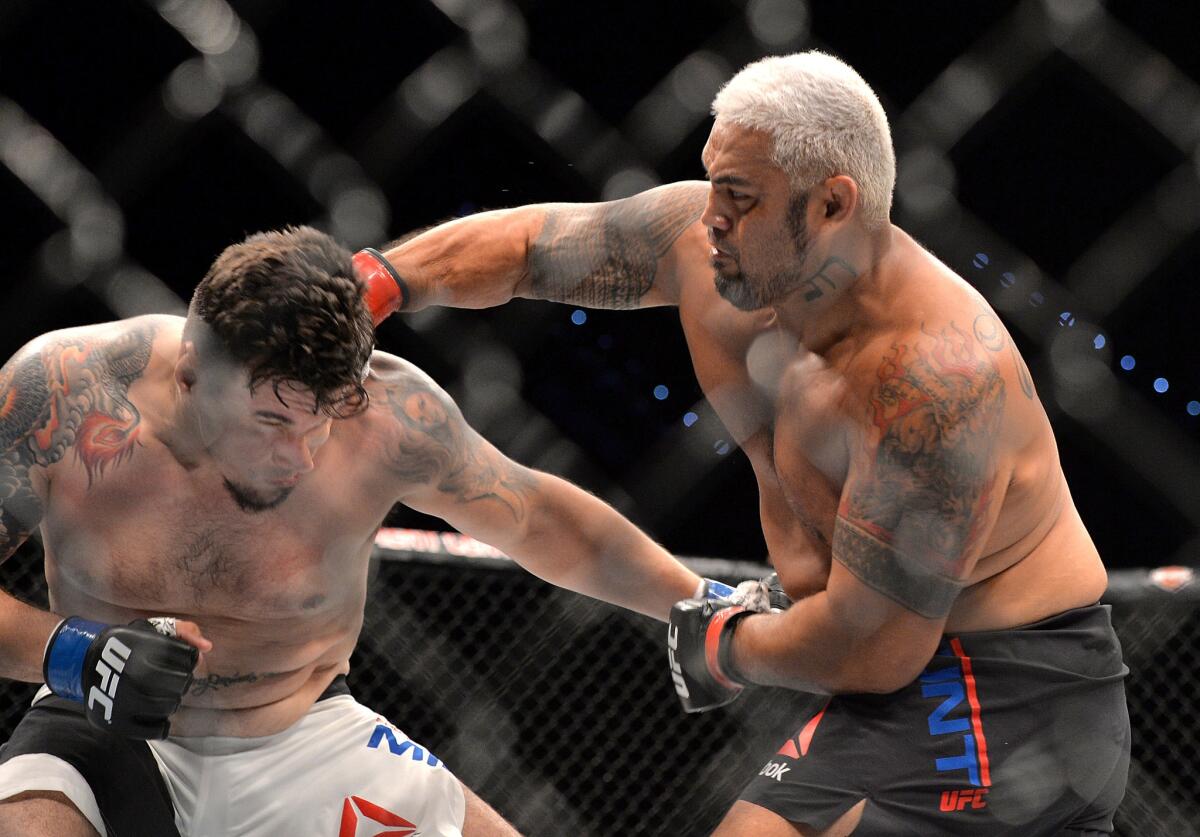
x,y
280,593
796,415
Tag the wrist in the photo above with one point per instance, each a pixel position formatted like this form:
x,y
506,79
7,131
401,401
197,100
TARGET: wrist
x,y
736,654
385,290
62,662
718,646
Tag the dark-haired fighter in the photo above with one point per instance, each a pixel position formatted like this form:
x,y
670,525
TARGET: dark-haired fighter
x,y
910,488
210,487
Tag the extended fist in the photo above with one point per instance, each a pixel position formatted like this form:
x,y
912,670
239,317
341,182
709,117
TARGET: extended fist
x,y
698,647
130,677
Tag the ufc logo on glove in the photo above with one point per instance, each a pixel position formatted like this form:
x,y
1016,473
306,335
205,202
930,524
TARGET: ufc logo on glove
x,y
109,667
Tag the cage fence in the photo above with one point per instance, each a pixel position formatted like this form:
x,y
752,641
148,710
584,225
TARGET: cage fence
x,y
558,709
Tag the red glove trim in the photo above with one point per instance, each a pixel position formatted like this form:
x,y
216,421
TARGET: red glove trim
x,y
712,645
386,291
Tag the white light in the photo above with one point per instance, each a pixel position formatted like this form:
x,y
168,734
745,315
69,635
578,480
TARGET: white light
x,y
777,22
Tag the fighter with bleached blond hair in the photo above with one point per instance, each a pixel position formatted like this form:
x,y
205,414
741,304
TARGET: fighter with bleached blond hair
x,y
946,616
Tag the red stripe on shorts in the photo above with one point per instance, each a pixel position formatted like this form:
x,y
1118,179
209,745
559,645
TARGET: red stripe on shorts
x,y
985,773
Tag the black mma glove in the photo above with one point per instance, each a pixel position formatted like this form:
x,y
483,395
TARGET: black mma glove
x,y
699,634
131,677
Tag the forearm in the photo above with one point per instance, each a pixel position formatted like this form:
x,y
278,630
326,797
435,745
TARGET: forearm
x,y
576,541
474,262
24,631
815,647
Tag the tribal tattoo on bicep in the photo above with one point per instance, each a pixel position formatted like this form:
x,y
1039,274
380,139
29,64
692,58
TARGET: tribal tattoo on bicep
x,y
71,395
910,519
437,446
606,255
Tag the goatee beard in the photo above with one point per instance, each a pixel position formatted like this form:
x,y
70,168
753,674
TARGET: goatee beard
x,y
253,503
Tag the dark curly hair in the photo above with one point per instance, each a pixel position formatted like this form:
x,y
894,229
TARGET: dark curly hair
x,y
287,306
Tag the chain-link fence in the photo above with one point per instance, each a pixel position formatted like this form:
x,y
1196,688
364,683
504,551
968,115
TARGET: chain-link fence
x,y
557,709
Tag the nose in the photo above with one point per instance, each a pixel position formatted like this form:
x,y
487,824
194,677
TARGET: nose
x,y
295,451
717,223
295,454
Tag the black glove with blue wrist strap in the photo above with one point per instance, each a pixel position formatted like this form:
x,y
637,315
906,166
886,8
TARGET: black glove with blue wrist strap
x,y
131,678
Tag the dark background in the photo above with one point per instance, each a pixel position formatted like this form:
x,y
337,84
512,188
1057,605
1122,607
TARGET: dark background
x,y
1047,152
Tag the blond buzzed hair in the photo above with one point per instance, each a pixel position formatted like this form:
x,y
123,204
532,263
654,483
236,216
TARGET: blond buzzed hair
x,y
823,118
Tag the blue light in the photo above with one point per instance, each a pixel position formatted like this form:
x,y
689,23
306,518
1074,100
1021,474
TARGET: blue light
x,y
1066,318
661,392
1007,279
980,261
690,418
578,317
1193,408
1161,385
1036,298
1099,341
1128,362
721,447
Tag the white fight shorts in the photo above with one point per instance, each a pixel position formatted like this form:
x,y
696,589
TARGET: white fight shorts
x,y
340,771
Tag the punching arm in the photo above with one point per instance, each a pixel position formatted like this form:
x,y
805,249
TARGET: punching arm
x,y
619,254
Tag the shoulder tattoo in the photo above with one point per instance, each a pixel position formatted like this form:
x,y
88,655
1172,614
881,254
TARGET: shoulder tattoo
x,y
908,524
72,395
991,336
437,446
606,255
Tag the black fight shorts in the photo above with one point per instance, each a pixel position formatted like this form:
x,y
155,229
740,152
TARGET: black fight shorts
x,y
1017,732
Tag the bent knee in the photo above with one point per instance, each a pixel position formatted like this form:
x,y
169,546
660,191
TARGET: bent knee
x,y
43,814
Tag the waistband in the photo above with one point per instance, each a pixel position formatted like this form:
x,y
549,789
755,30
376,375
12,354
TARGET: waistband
x,y
337,687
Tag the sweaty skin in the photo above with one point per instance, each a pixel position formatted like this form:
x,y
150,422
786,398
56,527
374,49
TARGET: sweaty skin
x,y
909,480
136,522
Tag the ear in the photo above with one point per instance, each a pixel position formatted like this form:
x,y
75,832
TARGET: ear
x,y
185,366
839,195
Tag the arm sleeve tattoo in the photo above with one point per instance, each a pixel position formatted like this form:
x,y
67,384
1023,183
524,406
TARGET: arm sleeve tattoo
x,y
915,508
606,255
436,445
70,395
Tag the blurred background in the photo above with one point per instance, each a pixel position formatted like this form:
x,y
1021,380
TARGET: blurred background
x,y
1047,151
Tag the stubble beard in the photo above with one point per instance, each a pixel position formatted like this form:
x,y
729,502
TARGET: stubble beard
x,y
748,292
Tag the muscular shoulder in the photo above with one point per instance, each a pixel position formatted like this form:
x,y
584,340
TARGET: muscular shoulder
x,y
85,354
67,390
421,426
440,462
62,374
938,373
